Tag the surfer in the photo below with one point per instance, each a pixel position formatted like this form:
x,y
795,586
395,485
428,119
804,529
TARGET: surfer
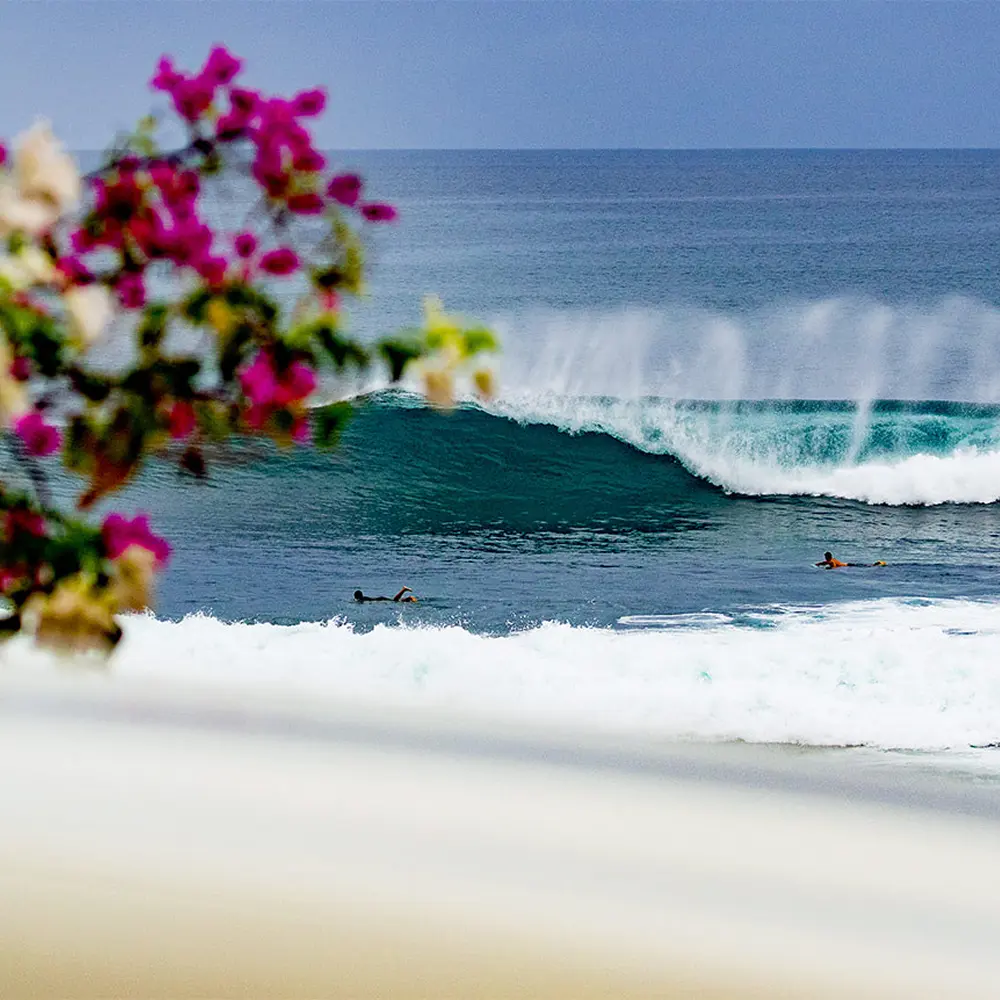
x,y
830,563
399,598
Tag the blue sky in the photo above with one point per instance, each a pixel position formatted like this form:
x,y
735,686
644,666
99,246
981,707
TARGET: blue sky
x,y
549,73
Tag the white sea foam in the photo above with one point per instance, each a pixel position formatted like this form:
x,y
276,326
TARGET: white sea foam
x,y
740,458
603,372
966,476
884,673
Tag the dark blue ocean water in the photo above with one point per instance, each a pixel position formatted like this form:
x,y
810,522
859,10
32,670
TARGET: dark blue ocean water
x,y
716,366
622,281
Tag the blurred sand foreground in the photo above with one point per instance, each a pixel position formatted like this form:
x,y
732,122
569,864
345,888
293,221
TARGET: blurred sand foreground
x,y
158,844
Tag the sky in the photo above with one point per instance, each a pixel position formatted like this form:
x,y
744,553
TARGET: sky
x,y
542,74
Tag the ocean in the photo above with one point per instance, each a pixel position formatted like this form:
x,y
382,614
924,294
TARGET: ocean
x,y
716,366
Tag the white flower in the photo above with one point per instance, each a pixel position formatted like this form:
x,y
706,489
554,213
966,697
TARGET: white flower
x,y
25,214
89,308
29,266
44,171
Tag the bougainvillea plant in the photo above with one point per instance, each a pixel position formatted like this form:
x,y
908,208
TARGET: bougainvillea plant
x,y
216,326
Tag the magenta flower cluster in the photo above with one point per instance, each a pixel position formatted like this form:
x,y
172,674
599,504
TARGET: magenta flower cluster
x,y
254,368
148,209
286,163
147,213
39,438
119,533
269,390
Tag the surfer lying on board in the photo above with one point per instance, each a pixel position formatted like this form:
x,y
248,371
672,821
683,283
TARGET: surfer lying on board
x,y
830,563
399,598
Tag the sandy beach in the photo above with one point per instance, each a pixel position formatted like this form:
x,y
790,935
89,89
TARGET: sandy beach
x,y
165,843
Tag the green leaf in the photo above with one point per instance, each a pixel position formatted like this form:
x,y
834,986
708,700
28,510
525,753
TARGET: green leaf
x,y
93,387
231,356
329,423
341,351
153,325
398,352
477,340
194,305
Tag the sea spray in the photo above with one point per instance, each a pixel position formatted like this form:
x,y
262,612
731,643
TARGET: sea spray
x,y
844,347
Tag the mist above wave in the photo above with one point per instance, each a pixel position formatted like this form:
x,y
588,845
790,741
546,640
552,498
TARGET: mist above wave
x,y
844,347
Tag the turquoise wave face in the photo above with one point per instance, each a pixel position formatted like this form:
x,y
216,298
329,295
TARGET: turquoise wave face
x,y
807,432
608,465
785,433
883,452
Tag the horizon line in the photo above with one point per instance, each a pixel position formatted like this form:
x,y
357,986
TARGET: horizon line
x,y
638,149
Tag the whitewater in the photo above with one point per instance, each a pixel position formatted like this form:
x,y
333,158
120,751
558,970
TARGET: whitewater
x,y
632,373
894,675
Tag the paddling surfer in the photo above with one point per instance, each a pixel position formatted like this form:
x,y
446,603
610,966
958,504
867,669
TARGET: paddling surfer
x,y
830,563
399,598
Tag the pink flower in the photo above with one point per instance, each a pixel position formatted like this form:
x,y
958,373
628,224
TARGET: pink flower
x,y
296,138
75,271
82,241
145,232
186,186
162,173
119,533
295,384
308,160
27,521
305,204
244,102
20,368
3,154
187,241
192,97
221,66
345,188
378,211
276,112
301,431
212,268
131,291
280,262
118,202
256,416
269,172
259,381
231,125
309,103
40,439
245,245
266,389
166,77
184,211
182,419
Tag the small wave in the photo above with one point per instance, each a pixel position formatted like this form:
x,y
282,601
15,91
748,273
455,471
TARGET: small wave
x,y
883,673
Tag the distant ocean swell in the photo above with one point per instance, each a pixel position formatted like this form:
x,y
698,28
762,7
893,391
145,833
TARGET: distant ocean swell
x,y
917,675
